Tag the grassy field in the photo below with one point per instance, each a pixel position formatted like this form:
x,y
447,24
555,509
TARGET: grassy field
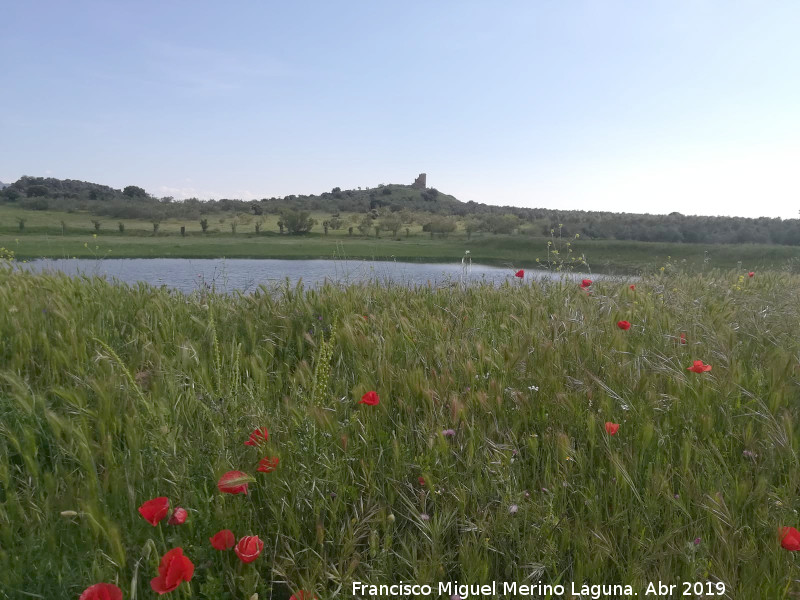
x,y
112,396
43,237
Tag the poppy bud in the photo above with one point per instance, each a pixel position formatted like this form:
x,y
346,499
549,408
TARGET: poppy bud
x,y
178,516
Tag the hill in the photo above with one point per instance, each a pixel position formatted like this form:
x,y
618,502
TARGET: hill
x,y
429,207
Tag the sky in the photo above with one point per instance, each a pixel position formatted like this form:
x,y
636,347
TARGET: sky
x,y
625,106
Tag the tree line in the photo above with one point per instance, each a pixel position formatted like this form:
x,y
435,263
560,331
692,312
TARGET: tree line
x,y
393,207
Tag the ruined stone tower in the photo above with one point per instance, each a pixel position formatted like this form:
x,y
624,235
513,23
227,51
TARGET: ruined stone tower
x,y
419,182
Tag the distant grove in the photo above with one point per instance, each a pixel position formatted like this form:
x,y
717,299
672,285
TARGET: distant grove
x,y
392,207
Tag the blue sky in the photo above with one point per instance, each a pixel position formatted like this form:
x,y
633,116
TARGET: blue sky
x,y
624,106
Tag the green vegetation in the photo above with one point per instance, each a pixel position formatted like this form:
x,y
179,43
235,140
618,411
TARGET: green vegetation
x,y
380,209
111,396
60,234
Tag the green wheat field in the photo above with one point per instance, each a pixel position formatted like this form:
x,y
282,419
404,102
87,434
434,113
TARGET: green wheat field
x,y
113,395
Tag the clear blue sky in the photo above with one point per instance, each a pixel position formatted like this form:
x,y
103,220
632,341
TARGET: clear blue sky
x,y
631,106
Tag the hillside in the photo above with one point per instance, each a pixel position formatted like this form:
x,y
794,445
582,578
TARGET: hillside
x,y
432,209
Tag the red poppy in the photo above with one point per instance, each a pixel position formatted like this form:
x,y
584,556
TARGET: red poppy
x,y
624,325
612,428
178,516
370,398
268,465
102,591
154,510
222,540
248,548
303,595
234,482
683,338
751,273
699,367
257,437
174,568
421,480
633,287
586,283
790,538
520,273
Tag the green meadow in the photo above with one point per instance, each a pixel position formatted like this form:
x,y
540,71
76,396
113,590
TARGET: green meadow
x,y
44,236
113,395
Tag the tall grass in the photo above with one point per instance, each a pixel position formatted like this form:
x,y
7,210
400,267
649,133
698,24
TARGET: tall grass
x,y
112,395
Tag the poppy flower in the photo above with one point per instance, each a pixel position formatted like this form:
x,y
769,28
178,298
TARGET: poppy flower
x,y
234,482
633,287
421,481
586,283
102,591
683,338
174,568
268,465
520,273
154,510
751,273
303,595
178,516
248,548
612,428
624,325
790,538
370,398
257,437
699,367
223,540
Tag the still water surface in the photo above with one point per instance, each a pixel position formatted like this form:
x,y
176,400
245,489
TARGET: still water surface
x,y
228,275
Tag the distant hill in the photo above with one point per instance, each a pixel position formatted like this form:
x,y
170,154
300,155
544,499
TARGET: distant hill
x,y
4,185
413,203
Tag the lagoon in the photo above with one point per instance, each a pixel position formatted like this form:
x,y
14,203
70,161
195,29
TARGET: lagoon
x,y
246,275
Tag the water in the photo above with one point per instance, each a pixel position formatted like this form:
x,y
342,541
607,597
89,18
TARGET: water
x,y
228,275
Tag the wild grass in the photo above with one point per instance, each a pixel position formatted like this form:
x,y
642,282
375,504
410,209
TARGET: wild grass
x,y
112,395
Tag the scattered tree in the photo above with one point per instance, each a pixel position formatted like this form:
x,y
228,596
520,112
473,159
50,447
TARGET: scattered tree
x,y
133,191
365,225
392,223
298,222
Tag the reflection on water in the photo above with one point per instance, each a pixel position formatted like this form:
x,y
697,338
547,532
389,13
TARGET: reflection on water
x,y
228,275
